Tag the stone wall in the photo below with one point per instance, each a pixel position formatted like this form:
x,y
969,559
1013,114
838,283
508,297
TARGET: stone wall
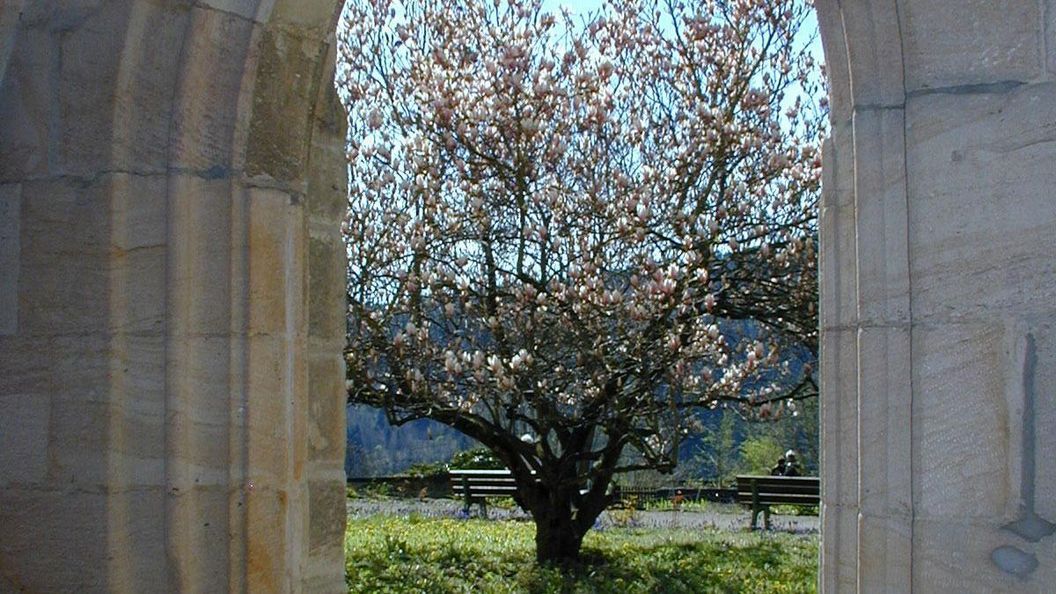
x,y
171,296
939,297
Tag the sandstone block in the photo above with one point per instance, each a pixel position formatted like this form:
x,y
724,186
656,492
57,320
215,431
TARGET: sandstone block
x,y
982,204
885,422
65,236
10,255
200,520
1050,34
961,423
327,515
137,552
839,549
268,540
246,9
874,50
147,79
839,417
326,413
881,210
207,107
277,271
23,439
328,182
25,104
306,13
955,556
834,43
287,84
837,267
37,527
326,298
270,409
885,553
202,254
982,41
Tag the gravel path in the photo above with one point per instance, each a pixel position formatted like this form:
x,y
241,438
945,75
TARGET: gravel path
x,y
449,508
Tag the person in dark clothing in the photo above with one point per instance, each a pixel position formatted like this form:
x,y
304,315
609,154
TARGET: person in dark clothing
x,y
779,469
791,465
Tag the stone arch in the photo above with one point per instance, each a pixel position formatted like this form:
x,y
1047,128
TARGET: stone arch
x,y
936,231
172,183
171,286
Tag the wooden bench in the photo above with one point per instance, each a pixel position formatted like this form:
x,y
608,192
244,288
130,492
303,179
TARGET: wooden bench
x,y
475,486
760,492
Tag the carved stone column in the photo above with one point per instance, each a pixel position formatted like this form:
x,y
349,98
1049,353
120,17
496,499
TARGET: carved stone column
x,y
171,315
938,234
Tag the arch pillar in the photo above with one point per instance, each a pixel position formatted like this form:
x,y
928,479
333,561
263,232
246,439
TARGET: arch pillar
x,y
938,350
171,188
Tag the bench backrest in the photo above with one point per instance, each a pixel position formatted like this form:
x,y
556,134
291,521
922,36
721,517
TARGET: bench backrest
x,y
482,483
795,490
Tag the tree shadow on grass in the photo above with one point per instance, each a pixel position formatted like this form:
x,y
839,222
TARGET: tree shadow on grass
x,y
681,568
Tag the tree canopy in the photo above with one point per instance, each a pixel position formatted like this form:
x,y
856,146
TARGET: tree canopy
x,y
554,220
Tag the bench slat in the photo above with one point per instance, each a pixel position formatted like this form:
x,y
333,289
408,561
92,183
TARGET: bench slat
x,y
478,484
489,481
790,499
768,490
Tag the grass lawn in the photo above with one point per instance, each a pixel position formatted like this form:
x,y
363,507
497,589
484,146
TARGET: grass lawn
x,y
391,554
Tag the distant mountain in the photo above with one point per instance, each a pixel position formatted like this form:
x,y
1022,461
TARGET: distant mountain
x,y
376,448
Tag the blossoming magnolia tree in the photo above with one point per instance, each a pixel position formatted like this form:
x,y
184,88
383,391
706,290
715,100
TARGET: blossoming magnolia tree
x,y
552,219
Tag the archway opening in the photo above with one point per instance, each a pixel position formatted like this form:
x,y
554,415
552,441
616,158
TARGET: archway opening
x,y
381,145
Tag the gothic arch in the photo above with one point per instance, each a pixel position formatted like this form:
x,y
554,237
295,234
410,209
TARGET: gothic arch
x,y
936,231
172,181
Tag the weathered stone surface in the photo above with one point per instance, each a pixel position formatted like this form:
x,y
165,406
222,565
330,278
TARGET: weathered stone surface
x,y
327,505
201,246
979,42
136,519
326,416
834,44
26,105
982,244
279,137
885,552
961,423
45,535
312,14
839,417
953,223
327,182
885,439
145,82
953,556
326,302
23,438
211,90
838,269
839,549
64,245
154,358
1049,8
873,45
277,268
881,211
10,255
246,9
10,13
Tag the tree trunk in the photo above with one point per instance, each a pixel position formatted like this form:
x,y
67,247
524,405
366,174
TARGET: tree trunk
x,y
558,538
